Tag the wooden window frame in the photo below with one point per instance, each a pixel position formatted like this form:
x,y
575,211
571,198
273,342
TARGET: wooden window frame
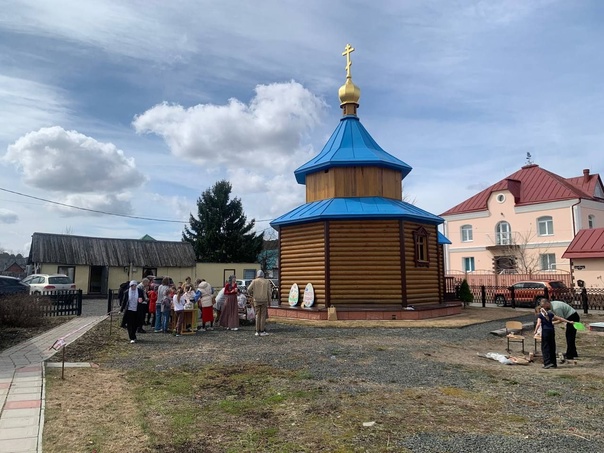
x,y
420,246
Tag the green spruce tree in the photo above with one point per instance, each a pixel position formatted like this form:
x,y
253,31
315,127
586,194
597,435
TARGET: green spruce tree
x,y
465,295
221,233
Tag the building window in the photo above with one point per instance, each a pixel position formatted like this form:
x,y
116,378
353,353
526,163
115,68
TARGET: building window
x,y
420,239
249,274
591,221
545,226
503,234
466,233
468,264
500,198
67,270
548,261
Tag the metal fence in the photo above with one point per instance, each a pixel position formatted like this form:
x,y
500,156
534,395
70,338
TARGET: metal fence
x,y
491,279
491,295
61,303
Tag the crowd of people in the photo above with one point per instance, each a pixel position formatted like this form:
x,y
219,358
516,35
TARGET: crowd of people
x,y
162,307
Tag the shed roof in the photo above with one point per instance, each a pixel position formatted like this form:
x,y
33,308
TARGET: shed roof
x,y
367,208
91,251
586,244
531,185
350,145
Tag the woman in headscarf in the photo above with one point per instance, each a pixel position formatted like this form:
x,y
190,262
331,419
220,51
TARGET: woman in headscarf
x,y
204,302
131,300
229,315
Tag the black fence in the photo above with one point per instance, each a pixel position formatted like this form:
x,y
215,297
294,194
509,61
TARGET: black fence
x,y
61,303
505,296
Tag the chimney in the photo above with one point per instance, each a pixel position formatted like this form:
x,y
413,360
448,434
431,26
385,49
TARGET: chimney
x,y
586,175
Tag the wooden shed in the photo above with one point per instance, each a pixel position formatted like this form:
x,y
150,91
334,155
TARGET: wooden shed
x,y
99,264
365,250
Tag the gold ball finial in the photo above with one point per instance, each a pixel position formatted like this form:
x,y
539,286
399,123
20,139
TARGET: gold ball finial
x,y
349,93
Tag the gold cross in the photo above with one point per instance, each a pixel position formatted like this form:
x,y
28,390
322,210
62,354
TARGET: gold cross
x,y
347,51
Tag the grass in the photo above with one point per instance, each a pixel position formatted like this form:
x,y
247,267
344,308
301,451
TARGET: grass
x,y
254,407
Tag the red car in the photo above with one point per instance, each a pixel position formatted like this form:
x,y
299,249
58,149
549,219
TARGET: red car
x,y
527,293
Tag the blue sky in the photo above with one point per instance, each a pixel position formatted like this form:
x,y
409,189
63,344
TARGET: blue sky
x,y
138,107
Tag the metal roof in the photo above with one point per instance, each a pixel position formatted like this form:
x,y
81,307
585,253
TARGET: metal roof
x,y
531,185
350,145
586,244
91,251
368,208
442,239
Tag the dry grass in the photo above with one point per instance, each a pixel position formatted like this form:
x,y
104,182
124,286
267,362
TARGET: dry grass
x,y
256,407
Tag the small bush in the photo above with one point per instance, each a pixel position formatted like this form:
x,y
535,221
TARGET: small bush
x,y
465,295
21,310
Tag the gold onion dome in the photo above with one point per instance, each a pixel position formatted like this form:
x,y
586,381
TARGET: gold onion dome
x,y
349,93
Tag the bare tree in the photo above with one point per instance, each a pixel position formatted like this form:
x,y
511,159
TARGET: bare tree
x,y
525,251
268,255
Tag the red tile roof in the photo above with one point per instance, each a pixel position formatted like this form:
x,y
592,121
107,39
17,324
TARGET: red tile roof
x,y
531,185
586,244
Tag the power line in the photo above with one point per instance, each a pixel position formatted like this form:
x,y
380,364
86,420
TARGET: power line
x,y
103,212
92,210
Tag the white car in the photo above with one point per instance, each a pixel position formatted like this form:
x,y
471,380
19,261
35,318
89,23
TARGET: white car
x,y
48,283
243,284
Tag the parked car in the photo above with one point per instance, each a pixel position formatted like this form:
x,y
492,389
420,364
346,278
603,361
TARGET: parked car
x,y
527,293
12,285
157,281
48,283
243,284
275,286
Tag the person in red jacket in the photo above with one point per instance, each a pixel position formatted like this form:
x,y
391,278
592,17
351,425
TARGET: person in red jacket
x,y
152,294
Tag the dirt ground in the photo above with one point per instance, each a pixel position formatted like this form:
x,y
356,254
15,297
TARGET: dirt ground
x,y
104,409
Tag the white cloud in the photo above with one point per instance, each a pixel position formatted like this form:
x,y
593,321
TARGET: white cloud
x,y
67,161
105,202
7,216
260,134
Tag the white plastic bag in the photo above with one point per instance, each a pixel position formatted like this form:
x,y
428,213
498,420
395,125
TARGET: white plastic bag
x,y
251,314
499,357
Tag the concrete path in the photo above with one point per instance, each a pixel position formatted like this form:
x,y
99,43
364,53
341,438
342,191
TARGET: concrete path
x,y
22,384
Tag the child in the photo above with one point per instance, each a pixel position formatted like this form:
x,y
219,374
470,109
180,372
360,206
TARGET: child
x,y
538,327
178,301
545,322
166,306
152,293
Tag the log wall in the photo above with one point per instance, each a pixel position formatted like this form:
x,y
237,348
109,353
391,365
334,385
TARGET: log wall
x,y
365,262
354,182
423,283
302,259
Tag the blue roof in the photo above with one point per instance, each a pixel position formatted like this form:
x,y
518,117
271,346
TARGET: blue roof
x,y
442,239
350,145
370,208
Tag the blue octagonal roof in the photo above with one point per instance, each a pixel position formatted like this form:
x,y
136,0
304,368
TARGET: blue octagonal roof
x,y
370,208
350,145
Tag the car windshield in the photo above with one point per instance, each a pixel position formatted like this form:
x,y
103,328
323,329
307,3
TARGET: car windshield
x,y
557,285
59,280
